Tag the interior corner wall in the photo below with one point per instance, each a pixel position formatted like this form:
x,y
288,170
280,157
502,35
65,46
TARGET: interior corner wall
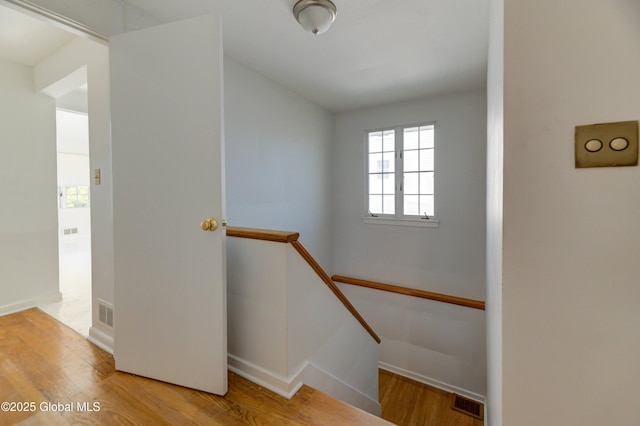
x,y
278,154
28,212
571,270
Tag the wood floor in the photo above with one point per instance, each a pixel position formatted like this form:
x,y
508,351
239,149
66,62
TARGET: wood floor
x,y
407,402
44,362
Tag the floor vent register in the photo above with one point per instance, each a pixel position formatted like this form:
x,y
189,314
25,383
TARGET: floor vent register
x,y
468,406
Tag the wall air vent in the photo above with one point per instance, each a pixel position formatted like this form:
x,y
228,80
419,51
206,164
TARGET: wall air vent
x,y
105,313
70,231
468,406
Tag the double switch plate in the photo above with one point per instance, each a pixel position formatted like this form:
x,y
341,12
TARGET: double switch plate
x,y
607,144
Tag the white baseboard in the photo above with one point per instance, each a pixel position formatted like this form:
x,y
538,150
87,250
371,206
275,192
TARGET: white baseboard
x,y
101,339
23,305
308,374
265,378
432,382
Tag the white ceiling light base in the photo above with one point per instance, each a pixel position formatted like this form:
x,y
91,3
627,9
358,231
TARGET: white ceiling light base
x,y
315,16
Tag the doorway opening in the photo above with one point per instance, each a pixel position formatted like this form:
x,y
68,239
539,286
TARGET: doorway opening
x,y
74,212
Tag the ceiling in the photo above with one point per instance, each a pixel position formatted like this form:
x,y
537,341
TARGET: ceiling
x,y
376,51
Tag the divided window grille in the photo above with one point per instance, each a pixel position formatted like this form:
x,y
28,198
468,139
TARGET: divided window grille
x,y
400,172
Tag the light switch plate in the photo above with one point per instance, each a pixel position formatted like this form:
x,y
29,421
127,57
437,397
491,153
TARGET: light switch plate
x,y
607,144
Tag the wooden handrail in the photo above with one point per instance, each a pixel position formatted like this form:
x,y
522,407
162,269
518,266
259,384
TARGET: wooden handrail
x,y
262,234
469,303
292,238
333,287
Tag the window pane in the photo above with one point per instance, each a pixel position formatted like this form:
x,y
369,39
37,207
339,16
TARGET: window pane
x,y
383,165
426,159
426,136
72,190
389,204
426,183
375,142
389,138
389,161
375,184
83,200
426,205
83,189
411,206
375,163
389,183
410,140
375,204
411,183
411,161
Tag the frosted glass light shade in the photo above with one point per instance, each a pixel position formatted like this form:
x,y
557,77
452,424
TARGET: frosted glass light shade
x,y
315,16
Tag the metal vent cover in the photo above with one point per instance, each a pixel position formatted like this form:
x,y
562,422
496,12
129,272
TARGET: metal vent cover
x,y
105,313
70,231
468,406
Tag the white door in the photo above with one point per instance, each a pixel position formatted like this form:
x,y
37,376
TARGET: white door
x,y
170,278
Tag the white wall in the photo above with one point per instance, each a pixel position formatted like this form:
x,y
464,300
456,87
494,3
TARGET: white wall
x,y
257,304
58,75
430,342
28,212
449,259
323,332
571,283
286,327
278,153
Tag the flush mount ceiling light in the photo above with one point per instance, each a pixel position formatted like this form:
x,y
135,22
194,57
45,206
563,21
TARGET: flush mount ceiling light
x,y
315,16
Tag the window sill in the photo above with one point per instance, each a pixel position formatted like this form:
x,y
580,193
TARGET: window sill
x,y
420,223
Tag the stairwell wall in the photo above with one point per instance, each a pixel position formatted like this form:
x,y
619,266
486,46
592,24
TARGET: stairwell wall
x,y
432,342
278,154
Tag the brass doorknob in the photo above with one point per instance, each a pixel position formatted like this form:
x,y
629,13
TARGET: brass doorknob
x,y
209,224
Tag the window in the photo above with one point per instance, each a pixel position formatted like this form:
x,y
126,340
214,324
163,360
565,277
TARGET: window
x,y
73,197
400,172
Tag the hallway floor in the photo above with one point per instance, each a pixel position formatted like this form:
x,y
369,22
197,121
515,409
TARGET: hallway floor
x,y
74,309
49,363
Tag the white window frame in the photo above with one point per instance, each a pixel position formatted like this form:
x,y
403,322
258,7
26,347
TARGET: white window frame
x,y
399,218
